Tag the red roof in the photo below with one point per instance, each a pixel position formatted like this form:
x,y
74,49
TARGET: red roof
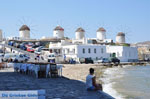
x,y
120,34
80,30
59,28
101,29
24,27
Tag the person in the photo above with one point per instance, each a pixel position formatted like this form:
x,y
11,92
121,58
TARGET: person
x,y
38,57
91,84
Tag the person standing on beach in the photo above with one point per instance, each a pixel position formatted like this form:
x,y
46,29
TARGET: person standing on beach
x,y
91,84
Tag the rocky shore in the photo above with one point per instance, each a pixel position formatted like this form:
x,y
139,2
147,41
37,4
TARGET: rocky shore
x,y
71,86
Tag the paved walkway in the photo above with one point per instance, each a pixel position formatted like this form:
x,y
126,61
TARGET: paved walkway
x,y
56,88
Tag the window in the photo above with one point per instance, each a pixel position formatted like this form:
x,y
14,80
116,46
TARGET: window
x,y
89,50
73,50
95,50
67,51
96,58
83,51
102,50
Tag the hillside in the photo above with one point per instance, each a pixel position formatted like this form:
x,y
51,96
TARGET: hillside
x,y
147,43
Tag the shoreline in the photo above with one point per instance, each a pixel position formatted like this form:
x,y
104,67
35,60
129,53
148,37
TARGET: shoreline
x,y
117,84
60,88
80,71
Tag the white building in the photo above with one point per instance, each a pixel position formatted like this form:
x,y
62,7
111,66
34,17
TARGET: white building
x,y
124,53
24,32
120,38
58,32
85,51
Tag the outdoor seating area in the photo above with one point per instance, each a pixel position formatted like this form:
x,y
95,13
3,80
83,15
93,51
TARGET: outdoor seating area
x,y
38,70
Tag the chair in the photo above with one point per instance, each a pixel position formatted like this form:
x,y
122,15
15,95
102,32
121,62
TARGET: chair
x,y
47,70
36,69
53,70
42,71
1,65
16,67
59,68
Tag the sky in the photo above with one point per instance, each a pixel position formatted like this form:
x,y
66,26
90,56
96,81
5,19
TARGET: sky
x,y
129,16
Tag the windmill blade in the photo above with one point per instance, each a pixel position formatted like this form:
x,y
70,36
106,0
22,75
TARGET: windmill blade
x,y
20,22
33,34
26,21
108,29
69,33
126,30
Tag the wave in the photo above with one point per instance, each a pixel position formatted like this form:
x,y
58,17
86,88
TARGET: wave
x,y
108,78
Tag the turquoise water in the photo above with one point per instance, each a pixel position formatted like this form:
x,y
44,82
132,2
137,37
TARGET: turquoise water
x,y
129,82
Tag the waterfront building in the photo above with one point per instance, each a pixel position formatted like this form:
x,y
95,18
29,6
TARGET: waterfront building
x,y
95,48
123,53
85,51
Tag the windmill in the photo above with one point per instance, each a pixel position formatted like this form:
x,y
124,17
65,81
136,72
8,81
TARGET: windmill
x,y
29,23
126,30
83,25
106,27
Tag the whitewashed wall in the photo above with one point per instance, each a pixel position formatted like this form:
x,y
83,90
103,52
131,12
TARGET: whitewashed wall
x,y
79,35
124,53
58,34
120,39
76,51
101,35
25,34
100,51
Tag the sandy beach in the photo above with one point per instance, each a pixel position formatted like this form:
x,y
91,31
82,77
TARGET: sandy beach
x,y
67,87
80,71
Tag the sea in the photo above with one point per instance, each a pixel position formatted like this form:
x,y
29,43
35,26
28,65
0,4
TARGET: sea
x,y
127,82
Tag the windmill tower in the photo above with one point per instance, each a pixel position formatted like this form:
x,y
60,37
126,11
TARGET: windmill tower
x,y
24,32
125,34
120,38
101,34
58,32
80,34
